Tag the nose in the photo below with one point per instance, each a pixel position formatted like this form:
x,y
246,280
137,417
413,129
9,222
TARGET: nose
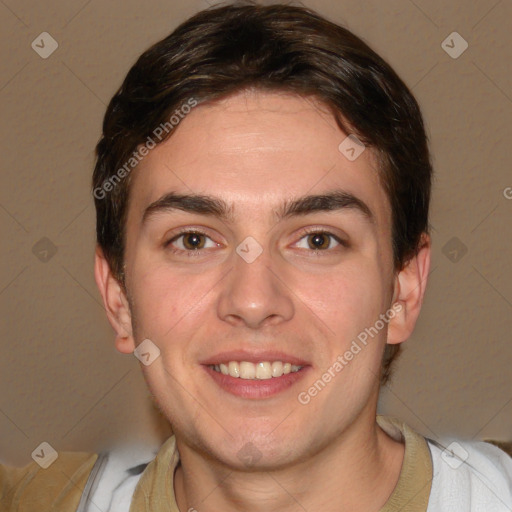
x,y
255,294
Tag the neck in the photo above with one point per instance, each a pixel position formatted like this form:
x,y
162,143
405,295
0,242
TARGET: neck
x,y
356,472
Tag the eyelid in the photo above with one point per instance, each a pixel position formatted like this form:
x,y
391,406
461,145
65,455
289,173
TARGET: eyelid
x,y
185,231
302,234
324,231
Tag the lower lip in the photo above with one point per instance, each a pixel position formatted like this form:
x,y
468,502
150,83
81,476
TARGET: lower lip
x,y
256,388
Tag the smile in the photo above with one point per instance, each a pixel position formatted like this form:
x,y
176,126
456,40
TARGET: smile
x,y
255,371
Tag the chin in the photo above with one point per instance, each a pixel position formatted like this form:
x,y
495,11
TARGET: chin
x,y
253,450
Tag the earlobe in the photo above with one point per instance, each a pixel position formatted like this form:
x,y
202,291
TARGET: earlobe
x,y
115,302
410,285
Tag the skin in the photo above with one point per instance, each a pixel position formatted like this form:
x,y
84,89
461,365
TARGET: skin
x,y
255,150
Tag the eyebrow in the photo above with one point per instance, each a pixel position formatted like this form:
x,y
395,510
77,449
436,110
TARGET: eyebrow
x,y
336,200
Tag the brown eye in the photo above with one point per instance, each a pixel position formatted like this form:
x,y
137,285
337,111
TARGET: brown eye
x,y
193,241
190,242
319,241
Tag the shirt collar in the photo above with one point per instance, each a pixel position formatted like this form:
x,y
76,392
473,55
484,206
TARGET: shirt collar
x,y
155,489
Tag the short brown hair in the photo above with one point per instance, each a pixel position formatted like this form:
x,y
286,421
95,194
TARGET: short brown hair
x,y
223,50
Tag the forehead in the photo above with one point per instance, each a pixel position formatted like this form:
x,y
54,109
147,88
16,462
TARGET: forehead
x,y
255,149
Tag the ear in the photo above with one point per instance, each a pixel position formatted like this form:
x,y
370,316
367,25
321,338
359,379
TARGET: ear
x,y
409,289
115,302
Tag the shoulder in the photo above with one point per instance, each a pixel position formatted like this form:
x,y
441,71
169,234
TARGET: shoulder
x,y
55,487
76,481
470,476
116,475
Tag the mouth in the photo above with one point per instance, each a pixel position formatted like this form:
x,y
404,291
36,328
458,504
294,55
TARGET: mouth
x,y
263,370
262,376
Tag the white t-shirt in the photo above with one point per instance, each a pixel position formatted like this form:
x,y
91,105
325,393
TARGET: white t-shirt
x,y
481,482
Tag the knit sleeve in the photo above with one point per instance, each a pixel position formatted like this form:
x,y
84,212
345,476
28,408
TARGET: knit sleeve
x,y
58,488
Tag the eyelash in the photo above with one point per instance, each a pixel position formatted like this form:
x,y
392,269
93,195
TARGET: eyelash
x,y
306,232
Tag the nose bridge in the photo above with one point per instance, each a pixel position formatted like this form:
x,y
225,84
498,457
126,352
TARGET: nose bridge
x,y
253,294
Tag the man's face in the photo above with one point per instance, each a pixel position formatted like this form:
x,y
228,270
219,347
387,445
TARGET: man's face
x,y
303,300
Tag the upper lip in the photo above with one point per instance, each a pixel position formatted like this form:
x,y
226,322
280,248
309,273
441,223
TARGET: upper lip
x,y
254,357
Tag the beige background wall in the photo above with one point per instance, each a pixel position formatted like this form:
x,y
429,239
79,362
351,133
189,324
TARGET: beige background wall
x,y
62,380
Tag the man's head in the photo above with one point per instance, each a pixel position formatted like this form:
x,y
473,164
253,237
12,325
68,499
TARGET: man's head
x,y
246,110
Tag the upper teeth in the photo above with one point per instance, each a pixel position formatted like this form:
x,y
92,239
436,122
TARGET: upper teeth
x,y
248,370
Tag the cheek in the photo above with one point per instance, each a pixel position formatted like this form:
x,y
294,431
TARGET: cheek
x,y
166,300
347,299
156,303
